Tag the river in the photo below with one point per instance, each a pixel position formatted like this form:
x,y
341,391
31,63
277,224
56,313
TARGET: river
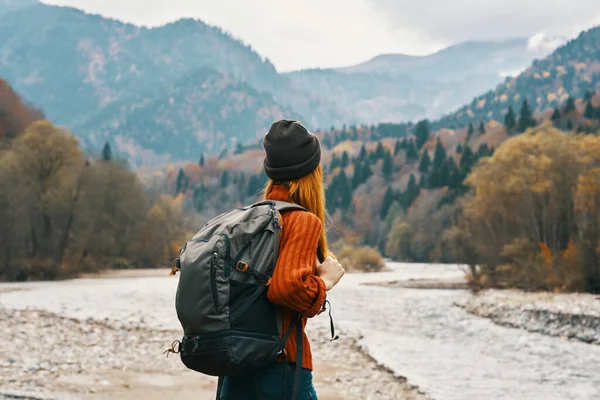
x,y
419,333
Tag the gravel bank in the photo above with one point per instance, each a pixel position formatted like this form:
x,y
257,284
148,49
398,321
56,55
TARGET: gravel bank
x,y
574,316
47,356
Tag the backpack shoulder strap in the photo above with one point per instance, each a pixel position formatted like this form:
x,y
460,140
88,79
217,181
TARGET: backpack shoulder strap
x,y
279,205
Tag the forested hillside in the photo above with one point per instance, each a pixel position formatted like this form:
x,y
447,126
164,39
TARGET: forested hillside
x,y
135,87
63,212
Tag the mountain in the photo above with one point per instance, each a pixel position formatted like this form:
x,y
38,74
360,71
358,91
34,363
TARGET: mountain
x,y
572,70
135,87
92,73
403,180
398,87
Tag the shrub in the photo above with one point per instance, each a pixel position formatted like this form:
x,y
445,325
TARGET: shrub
x,y
361,259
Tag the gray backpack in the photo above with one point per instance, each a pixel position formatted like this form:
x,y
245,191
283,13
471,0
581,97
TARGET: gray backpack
x,y
230,327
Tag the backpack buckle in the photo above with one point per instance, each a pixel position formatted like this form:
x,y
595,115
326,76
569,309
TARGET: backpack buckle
x,y
241,266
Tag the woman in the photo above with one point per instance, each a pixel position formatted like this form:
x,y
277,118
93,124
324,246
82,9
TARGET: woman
x,y
299,282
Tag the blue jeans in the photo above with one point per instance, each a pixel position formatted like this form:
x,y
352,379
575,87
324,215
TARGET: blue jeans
x,y
267,384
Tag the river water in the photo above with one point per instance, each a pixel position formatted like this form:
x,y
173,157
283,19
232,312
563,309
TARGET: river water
x,y
419,333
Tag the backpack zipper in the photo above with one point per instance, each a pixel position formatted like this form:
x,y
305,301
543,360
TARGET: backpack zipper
x,y
213,279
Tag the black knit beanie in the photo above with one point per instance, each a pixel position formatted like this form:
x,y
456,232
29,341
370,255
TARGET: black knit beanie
x,y
292,151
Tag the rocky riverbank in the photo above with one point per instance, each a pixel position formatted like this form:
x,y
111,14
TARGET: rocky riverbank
x,y
574,316
47,356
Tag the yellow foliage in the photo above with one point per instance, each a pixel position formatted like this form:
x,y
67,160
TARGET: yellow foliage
x,y
546,254
545,74
550,97
503,98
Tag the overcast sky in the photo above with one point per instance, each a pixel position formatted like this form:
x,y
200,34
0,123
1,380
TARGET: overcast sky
x,y
297,34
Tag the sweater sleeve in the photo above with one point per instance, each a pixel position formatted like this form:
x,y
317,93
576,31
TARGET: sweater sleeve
x,y
294,283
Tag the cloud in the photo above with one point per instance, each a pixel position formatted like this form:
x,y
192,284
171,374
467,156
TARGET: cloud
x,y
460,20
297,34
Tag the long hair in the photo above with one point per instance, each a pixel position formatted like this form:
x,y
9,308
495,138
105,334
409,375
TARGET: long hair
x,y
308,192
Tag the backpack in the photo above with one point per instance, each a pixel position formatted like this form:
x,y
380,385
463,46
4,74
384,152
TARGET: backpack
x,y
230,327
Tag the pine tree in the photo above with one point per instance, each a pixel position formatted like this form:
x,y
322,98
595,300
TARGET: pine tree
x,y
404,144
182,182
224,179
466,160
335,162
388,166
412,191
388,199
345,160
344,191
569,106
107,152
569,124
239,149
412,154
555,115
459,148
526,120
589,112
397,147
379,151
483,151
422,133
510,120
588,95
470,131
425,163
363,153
201,161
481,128
454,180
439,156
423,181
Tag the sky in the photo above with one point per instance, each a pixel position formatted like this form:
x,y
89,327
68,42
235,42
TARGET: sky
x,y
297,34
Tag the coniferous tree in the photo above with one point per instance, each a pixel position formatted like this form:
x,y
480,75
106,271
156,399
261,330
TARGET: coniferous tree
x,y
344,190
412,154
569,124
588,96
379,151
404,143
182,182
483,151
526,119
470,131
201,161
454,178
107,152
466,160
412,192
239,149
388,166
439,156
224,179
397,147
335,162
589,112
555,115
425,163
363,153
569,106
459,148
386,202
510,120
422,133
481,128
345,160
423,181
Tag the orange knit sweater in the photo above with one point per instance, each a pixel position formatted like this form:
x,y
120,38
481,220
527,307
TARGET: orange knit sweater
x,y
294,285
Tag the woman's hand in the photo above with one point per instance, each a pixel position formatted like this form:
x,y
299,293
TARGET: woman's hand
x,y
330,271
